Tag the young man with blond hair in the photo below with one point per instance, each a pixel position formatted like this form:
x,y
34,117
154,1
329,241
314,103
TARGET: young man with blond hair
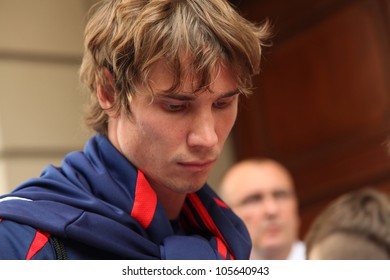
x,y
165,77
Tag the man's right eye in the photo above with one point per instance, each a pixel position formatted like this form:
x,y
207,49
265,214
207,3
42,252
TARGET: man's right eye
x,y
172,107
252,199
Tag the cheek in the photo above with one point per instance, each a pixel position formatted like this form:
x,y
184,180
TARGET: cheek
x,y
249,216
225,124
290,210
252,224
290,218
232,116
158,136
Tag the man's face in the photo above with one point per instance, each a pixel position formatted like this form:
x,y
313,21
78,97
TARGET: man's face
x,y
263,197
175,139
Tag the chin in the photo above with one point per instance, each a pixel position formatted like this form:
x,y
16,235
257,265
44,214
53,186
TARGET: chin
x,y
192,188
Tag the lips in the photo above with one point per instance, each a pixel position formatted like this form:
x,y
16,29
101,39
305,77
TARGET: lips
x,y
272,229
197,166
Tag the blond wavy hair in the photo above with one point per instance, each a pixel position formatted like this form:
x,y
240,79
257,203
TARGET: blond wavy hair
x,y
127,37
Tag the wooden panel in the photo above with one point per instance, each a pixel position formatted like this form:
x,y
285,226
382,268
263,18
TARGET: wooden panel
x,y
331,78
288,17
322,104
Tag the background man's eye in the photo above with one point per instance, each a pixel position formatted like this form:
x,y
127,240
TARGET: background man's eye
x,y
251,200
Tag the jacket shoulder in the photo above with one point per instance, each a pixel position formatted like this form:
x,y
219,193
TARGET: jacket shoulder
x,y
21,242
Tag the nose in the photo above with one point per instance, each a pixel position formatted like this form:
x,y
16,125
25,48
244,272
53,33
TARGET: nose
x,y
270,207
202,131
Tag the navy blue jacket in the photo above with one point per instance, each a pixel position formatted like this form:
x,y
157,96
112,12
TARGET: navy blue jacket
x,y
97,205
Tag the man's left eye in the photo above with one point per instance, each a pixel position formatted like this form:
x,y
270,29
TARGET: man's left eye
x,y
175,107
221,104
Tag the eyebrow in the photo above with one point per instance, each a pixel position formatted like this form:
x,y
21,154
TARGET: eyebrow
x,y
247,199
191,97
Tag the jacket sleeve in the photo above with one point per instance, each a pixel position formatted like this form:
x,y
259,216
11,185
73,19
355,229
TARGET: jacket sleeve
x,y
21,242
179,247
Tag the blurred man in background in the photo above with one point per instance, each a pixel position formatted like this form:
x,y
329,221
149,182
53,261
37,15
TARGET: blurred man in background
x,y
261,192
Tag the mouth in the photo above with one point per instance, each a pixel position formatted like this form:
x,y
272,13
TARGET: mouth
x,y
273,229
198,166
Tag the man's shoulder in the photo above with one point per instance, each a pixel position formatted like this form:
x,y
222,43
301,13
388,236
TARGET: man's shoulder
x,y
17,241
11,229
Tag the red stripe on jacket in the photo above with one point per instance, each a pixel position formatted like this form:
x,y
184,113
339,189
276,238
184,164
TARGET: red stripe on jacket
x,y
222,246
221,203
190,217
40,240
145,201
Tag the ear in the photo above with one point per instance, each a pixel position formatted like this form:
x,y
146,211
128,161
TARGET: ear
x,y
106,93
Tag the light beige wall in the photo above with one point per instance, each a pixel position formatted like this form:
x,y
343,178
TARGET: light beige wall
x,y
41,100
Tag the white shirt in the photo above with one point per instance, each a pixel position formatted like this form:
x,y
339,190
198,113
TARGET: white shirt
x,y
298,251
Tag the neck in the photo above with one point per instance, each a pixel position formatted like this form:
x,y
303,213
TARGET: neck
x,y
172,202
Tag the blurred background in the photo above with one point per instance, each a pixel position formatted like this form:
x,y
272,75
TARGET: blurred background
x,y
41,101
320,107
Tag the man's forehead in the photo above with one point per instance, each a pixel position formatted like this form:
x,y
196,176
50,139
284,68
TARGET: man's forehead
x,y
163,75
262,189
188,96
261,172
252,178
